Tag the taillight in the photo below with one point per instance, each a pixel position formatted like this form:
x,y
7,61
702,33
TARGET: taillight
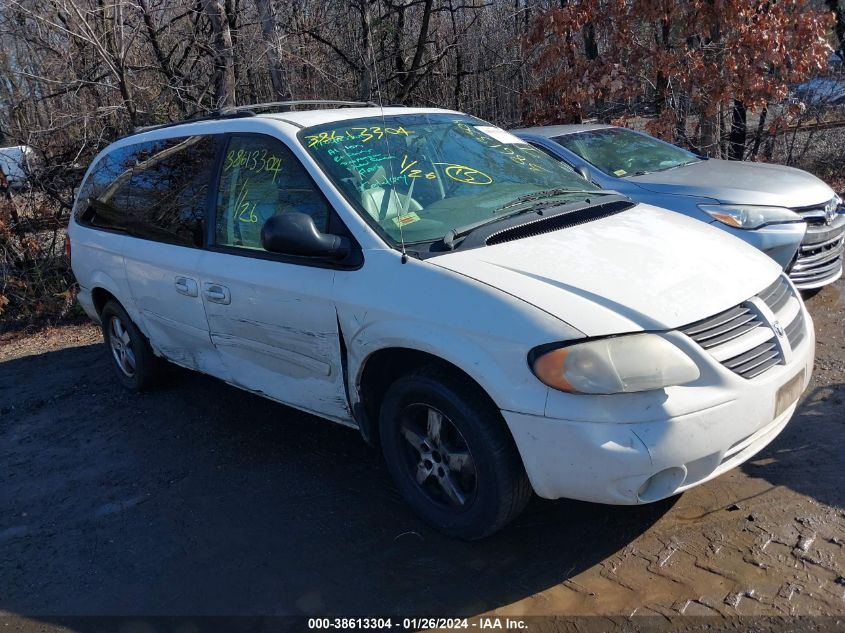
x,y
67,247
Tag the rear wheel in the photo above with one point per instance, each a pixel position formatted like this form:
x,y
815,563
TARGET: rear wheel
x,y
135,364
451,455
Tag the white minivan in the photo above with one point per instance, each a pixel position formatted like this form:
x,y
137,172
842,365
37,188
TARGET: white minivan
x,y
493,322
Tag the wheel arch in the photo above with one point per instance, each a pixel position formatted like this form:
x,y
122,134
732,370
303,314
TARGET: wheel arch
x,y
100,296
383,367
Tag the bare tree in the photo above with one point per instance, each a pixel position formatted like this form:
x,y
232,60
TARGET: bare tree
x,y
224,54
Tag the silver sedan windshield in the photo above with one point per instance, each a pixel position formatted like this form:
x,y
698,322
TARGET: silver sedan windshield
x,y
620,152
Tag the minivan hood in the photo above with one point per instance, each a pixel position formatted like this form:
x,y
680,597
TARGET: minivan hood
x,y
642,269
739,182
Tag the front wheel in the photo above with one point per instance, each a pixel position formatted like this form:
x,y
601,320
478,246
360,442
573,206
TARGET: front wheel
x,y
451,454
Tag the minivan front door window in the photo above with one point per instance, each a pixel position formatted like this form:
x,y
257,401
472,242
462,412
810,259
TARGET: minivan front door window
x,y
261,178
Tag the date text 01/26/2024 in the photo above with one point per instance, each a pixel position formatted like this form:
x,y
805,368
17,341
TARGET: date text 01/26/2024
x,y
415,624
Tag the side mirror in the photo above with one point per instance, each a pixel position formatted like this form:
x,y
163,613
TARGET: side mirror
x,y
583,172
295,233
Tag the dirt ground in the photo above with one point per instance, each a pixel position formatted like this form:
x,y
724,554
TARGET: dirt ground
x,y
201,499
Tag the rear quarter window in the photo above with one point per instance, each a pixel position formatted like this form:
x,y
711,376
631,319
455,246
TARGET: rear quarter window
x,y
155,190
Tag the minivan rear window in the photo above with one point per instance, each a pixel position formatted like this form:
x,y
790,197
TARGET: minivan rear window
x,y
155,190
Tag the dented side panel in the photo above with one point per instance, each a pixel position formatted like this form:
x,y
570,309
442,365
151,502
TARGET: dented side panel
x,y
278,333
417,305
173,321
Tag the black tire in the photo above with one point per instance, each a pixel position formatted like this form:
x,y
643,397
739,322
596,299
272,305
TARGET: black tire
x,y
488,475
137,368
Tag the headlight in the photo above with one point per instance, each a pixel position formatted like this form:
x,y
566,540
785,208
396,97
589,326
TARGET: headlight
x,y
636,362
744,216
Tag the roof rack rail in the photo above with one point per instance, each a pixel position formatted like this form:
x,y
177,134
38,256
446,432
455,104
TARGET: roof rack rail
x,y
236,112
212,116
286,105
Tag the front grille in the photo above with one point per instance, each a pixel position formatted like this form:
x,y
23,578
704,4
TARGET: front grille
x,y
743,341
818,263
723,327
813,214
795,331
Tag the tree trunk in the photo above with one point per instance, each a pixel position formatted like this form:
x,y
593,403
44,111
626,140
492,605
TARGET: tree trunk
x,y
224,58
278,77
739,131
365,88
591,52
758,136
410,75
839,27
708,143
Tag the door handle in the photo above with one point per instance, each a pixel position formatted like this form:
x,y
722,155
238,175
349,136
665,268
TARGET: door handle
x,y
186,286
217,293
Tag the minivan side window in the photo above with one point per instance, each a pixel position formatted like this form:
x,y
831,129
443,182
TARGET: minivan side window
x,y
261,178
155,190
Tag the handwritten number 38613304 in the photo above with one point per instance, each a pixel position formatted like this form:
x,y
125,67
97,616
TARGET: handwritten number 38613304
x,y
257,161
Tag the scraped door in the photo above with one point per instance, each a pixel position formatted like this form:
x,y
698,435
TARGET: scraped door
x,y
157,198
272,319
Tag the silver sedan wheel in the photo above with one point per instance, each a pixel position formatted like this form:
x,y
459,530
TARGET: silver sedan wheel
x,y
437,457
121,346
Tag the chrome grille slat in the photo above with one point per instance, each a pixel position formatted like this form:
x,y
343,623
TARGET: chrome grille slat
x,y
795,331
745,368
770,290
719,319
728,326
821,271
818,263
750,355
817,245
730,335
762,368
779,298
804,262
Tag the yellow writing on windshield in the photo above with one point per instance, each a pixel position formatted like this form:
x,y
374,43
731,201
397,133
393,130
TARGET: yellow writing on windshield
x,y
363,134
464,174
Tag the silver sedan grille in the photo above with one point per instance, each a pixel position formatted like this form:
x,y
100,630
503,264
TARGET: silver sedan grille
x,y
818,263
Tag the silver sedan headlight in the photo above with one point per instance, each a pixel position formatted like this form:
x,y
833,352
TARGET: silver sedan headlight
x,y
747,216
621,364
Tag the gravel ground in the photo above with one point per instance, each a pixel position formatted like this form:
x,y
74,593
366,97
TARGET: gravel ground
x,y
201,499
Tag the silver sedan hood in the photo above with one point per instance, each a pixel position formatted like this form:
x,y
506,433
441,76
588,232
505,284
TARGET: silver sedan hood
x,y
738,182
642,269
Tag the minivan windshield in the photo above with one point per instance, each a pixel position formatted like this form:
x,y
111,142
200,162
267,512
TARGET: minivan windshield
x,y
620,152
416,177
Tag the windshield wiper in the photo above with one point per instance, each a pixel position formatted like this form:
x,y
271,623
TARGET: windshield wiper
x,y
656,171
550,193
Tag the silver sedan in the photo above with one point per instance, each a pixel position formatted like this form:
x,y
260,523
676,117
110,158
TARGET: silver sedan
x,y
787,213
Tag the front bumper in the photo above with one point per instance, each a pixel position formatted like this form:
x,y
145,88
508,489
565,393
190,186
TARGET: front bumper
x,y
637,448
819,260
779,241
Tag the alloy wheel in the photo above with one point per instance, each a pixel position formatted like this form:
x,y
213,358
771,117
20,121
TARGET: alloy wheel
x,y
437,457
121,346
